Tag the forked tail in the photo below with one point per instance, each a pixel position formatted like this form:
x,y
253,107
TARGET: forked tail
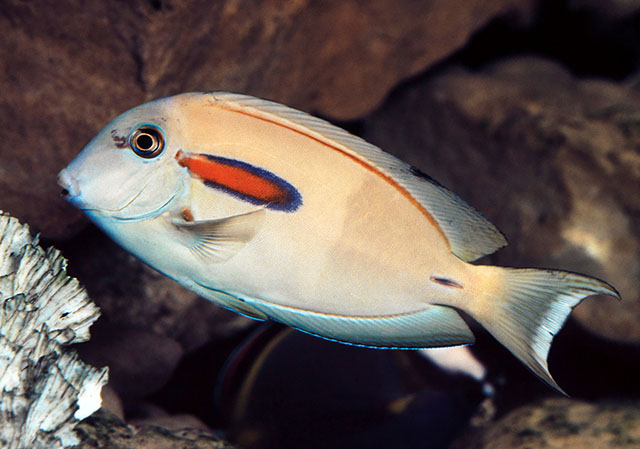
x,y
528,308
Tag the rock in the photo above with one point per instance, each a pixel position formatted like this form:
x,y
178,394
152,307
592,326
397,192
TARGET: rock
x,y
551,159
111,401
105,430
611,9
67,69
561,423
139,361
144,413
173,422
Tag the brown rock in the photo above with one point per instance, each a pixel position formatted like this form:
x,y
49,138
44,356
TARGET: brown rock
x,y
561,423
111,401
103,429
139,362
67,68
551,159
610,9
173,422
144,414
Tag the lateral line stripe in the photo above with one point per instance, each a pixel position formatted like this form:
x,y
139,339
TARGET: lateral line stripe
x,y
359,161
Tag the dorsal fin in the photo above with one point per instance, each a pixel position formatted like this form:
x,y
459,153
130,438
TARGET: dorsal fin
x,y
469,233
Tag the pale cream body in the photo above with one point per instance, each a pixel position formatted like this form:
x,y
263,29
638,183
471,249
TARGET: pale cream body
x,y
357,246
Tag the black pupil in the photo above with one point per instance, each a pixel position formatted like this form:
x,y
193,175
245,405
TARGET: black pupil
x,y
144,142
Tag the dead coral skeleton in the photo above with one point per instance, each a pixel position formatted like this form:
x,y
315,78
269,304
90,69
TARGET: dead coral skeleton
x,y
44,390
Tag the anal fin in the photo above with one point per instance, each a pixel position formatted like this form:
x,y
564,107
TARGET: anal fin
x,y
433,326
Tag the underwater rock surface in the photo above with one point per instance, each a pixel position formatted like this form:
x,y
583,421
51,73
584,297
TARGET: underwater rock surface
x,y
616,9
68,68
561,423
105,430
140,362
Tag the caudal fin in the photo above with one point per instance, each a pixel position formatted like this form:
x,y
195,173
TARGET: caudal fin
x,y
531,306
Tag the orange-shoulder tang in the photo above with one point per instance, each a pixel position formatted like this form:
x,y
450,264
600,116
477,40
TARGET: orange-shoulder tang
x,y
279,215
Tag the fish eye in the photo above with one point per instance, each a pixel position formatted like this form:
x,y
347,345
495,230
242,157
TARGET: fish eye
x,y
147,141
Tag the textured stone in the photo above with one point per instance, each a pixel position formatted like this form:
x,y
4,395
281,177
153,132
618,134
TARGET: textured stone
x,y
615,9
111,401
561,423
173,422
105,430
67,68
551,159
140,362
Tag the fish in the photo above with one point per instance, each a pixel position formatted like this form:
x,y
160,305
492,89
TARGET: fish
x,y
278,215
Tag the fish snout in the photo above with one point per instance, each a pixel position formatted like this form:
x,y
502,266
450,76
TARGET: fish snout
x,y
69,184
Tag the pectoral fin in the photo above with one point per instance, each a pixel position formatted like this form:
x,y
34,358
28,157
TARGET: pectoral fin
x,y
221,239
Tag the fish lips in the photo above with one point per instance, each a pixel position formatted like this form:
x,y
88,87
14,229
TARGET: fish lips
x,y
71,192
70,189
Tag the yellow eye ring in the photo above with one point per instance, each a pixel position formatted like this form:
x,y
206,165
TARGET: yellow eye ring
x,y
147,141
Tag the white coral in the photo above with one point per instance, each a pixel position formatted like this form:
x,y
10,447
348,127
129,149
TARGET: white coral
x,y
44,390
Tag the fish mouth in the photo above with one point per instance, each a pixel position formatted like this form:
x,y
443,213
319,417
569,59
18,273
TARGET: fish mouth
x,y
70,189
69,184
71,192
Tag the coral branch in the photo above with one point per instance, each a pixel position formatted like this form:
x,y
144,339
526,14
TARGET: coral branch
x,y
44,390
